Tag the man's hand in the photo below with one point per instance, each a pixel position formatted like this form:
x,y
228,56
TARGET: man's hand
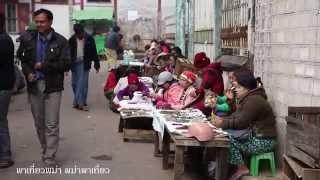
x,y
31,77
38,66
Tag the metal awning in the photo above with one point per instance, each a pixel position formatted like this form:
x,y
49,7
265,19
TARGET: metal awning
x,y
93,13
231,63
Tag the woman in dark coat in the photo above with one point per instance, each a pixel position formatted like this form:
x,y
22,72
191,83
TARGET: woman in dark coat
x,y
253,113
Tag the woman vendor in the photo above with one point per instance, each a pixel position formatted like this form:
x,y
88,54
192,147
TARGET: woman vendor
x,y
254,115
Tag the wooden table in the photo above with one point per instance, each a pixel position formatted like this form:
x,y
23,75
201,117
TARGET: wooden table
x,y
139,131
221,146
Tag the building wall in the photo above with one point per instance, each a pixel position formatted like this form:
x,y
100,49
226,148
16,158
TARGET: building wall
x,y
287,55
61,20
206,35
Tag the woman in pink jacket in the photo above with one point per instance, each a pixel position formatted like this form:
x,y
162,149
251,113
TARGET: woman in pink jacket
x,y
179,95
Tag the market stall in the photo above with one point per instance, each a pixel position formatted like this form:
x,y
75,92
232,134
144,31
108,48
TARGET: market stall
x,y
173,124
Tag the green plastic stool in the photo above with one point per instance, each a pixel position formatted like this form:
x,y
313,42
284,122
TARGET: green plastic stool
x,y
254,164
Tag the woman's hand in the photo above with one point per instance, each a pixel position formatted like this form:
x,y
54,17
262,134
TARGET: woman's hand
x,y
216,121
152,95
229,93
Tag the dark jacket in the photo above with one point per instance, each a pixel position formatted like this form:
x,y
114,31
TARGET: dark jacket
x,y
90,51
253,111
57,60
7,76
113,40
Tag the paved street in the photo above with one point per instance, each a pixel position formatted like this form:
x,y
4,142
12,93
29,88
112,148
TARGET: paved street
x,y
83,135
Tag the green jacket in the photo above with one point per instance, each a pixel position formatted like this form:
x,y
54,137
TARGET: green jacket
x,y
253,110
57,60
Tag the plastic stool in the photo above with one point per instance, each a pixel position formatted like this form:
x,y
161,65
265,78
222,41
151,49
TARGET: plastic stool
x,y
254,164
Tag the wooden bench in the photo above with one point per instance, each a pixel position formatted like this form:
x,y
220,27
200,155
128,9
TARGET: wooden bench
x,y
298,171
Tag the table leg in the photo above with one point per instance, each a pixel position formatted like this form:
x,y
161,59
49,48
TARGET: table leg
x,y
120,128
156,144
179,163
222,164
165,150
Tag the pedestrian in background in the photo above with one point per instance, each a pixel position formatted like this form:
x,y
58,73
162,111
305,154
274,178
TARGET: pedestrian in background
x,y
112,45
7,78
83,52
45,57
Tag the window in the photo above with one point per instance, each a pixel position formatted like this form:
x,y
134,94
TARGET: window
x,y
99,1
55,1
11,14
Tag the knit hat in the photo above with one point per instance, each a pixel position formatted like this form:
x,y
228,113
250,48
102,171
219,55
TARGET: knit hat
x,y
164,77
201,60
188,76
153,46
133,79
245,78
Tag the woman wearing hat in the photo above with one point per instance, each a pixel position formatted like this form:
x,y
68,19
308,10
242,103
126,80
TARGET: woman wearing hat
x,y
133,85
183,94
165,80
211,79
254,115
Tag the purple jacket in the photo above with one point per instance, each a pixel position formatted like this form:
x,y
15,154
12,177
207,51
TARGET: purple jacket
x,y
127,92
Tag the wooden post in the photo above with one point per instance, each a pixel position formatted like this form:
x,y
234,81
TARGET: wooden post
x,y
156,145
115,10
70,7
222,164
179,163
81,4
159,16
165,150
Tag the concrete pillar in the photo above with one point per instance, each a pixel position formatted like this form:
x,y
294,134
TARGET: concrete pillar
x,y
251,34
217,28
180,25
191,29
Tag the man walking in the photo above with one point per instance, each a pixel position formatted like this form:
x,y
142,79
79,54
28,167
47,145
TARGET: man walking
x,y
45,56
7,78
83,52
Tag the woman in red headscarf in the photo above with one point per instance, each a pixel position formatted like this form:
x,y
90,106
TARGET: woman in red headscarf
x,y
211,76
133,85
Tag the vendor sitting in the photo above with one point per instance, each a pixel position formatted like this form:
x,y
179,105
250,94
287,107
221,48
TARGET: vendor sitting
x,y
165,80
254,116
133,85
182,94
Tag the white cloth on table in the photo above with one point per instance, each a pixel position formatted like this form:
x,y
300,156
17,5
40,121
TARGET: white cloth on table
x,y
158,123
128,104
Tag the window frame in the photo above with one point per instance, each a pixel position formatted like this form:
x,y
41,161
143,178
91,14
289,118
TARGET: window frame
x,y
98,1
9,19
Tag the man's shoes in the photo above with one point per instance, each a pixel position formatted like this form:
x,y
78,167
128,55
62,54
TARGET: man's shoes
x,y
6,163
75,106
85,107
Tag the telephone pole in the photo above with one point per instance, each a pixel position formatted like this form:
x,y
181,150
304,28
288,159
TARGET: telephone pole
x,y
159,20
